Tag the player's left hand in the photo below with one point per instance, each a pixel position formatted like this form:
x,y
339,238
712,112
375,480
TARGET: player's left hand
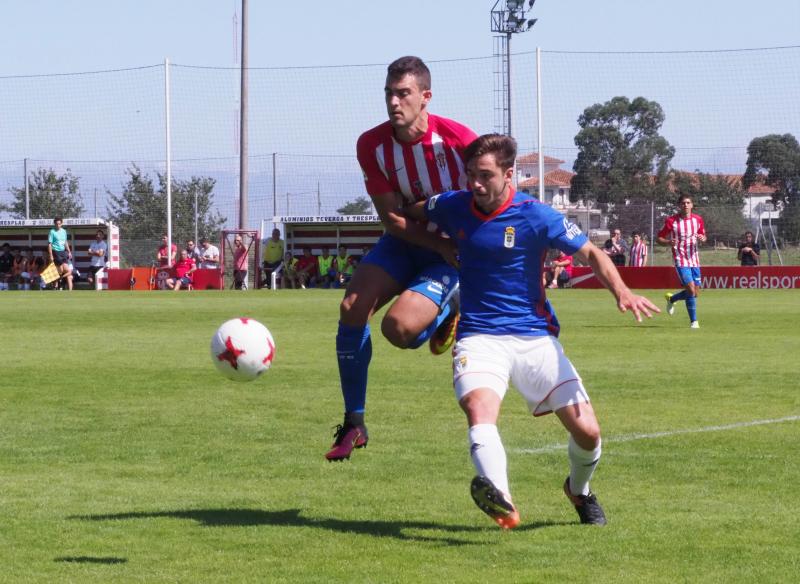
x,y
702,237
637,304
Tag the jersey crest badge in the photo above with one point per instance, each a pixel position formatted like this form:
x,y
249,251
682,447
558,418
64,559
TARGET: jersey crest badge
x,y
441,160
508,239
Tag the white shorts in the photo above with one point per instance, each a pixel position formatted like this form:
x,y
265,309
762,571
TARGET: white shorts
x,y
537,366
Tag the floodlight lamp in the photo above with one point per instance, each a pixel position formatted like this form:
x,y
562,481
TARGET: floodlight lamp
x,y
530,4
531,22
514,4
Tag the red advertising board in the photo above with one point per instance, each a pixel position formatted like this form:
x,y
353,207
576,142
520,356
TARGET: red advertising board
x,y
139,279
727,277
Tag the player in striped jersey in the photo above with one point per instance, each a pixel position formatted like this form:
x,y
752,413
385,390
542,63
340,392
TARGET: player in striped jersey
x,y
638,252
406,159
682,231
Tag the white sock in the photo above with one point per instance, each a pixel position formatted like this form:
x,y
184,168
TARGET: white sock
x,y
488,454
581,466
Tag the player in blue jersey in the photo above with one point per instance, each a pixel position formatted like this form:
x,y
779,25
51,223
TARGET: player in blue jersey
x,y
508,328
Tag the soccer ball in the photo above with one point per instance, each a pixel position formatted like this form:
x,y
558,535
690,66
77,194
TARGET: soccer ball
x,y
242,349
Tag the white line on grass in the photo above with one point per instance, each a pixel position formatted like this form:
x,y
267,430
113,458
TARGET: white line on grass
x,y
632,437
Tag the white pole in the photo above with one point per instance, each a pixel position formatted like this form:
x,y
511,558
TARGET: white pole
x,y
539,121
652,233
27,192
169,158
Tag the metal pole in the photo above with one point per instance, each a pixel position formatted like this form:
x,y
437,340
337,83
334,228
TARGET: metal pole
x,y
508,78
652,233
195,216
319,202
95,201
274,186
27,191
169,159
243,170
539,122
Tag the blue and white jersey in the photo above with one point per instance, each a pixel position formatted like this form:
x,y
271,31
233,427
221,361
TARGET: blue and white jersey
x,y
501,257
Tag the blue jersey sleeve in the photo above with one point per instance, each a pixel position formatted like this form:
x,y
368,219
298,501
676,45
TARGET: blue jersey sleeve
x,y
563,234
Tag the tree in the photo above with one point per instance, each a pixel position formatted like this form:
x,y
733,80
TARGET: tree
x,y
718,198
779,157
140,210
360,206
49,195
622,159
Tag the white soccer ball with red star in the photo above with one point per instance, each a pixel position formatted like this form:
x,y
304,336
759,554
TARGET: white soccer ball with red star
x,y
242,349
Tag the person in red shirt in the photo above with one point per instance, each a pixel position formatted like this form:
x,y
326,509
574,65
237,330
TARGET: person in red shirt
x,y
162,257
560,271
307,269
183,272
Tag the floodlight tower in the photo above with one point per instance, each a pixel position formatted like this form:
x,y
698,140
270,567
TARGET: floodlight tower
x,y
508,17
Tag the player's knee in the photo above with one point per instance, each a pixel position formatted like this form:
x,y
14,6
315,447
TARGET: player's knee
x,y
396,332
587,436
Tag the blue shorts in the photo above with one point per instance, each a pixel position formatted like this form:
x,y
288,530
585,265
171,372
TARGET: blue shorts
x,y
414,268
686,275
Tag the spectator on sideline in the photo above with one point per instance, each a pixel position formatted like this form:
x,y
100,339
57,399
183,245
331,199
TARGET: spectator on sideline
x,y
98,250
682,231
508,329
616,247
327,269
193,252
6,266
274,250
183,272
344,267
24,282
164,259
289,276
638,253
38,265
307,269
59,250
209,255
239,263
560,271
18,266
749,251
411,156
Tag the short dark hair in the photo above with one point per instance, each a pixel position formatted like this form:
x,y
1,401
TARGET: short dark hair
x,y
409,65
748,232
684,197
503,147
204,240
635,233
57,219
101,232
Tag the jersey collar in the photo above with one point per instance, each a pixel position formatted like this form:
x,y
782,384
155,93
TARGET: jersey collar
x,y
483,216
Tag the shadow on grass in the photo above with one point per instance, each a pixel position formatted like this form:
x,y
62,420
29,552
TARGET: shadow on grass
x,y
90,560
293,518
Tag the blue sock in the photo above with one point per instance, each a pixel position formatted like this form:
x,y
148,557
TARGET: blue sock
x,y
678,296
691,307
426,334
354,352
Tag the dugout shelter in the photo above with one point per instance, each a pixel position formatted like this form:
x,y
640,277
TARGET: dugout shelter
x,y
32,233
355,232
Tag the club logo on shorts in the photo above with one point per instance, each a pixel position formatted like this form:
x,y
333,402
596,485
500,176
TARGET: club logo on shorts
x,y
508,239
459,364
432,202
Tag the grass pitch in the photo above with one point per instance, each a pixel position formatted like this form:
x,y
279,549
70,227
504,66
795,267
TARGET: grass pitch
x,y
125,457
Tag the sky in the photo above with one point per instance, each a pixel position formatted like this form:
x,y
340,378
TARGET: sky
x,y
61,36
98,124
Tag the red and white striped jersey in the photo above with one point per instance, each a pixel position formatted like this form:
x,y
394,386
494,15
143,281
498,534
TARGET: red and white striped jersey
x,y
684,232
638,255
428,166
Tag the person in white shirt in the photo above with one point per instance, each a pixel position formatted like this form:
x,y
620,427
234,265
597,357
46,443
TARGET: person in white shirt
x,y
97,255
210,255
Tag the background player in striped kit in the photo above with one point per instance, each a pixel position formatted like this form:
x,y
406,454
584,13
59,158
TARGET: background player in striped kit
x,y
682,231
406,159
638,251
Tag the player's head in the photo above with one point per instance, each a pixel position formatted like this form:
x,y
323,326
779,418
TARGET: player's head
x,y
99,235
748,236
685,205
490,169
184,254
164,239
407,91
636,236
58,221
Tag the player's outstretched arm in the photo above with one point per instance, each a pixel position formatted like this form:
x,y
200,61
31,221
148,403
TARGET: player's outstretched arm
x,y
607,273
403,223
